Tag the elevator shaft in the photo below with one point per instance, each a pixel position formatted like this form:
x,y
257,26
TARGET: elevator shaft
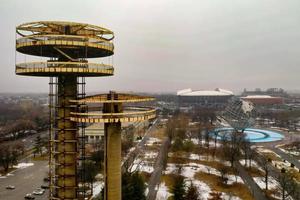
x,y
66,137
112,157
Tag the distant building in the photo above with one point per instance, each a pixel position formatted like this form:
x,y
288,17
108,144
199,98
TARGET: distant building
x,y
264,100
274,92
95,132
211,99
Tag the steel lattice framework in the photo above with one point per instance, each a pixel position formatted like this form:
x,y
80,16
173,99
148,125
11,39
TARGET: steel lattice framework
x,y
239,114
67,46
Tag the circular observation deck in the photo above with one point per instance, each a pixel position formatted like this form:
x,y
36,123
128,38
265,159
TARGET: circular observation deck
x,y
56,68
129,114
54,38
73,46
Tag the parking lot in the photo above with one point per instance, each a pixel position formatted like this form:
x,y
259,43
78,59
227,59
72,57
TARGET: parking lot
x,y
25,181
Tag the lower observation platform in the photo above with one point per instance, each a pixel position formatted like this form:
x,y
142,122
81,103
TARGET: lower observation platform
x,y
94,114
58,68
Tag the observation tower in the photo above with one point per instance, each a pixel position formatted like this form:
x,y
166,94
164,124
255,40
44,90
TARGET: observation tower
x,y
64,49
109,109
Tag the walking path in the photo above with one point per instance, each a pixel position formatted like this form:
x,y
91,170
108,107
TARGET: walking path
x,y
286,156
159,167
139,147
257,193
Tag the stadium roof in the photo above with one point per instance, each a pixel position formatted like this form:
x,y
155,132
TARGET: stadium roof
x,y
258,97
216,92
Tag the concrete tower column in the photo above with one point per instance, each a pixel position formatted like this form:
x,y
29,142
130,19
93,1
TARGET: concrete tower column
x,y
66,145
112,155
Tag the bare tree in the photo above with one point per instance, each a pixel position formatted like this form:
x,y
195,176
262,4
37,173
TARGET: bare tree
x,y
224,171
288,185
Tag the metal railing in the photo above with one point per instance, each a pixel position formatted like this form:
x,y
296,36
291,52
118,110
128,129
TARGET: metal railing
x,y
59,39
30,65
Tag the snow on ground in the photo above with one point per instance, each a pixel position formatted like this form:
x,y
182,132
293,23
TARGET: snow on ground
x,y
197,157
272,183
97,187
23,165
226,196
292,152
203,189
263,150
189,170
141,166
211,142
150,155
253,164
152,140
285,165
162,192
234,179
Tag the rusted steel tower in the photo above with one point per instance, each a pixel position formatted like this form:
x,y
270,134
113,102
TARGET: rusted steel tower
x,y
109,109
66,48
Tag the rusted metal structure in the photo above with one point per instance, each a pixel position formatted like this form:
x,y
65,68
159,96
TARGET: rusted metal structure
x,y
64,49
109,109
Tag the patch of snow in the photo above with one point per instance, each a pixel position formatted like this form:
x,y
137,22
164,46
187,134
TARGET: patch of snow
x,y
97,187
195,141
226,196
203,189
234,179
150,155
162,192
23,165
141,166
194,157
272,183
253,164
152,140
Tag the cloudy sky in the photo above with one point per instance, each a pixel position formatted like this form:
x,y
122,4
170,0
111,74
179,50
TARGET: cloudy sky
x,y
166,45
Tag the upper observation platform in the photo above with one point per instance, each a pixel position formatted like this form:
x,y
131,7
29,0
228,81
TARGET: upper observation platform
x,y
58,39
68,45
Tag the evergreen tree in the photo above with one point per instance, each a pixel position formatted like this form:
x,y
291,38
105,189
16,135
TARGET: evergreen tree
x,y
38,144
133,186
192,193
178,189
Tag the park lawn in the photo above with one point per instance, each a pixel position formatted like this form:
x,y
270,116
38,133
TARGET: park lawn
x,y
159,134
272,156
211,163
40,158
168,179
215,183
146,176
254,171
270,194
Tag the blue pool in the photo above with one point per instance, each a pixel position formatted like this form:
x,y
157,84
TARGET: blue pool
x,y
253,134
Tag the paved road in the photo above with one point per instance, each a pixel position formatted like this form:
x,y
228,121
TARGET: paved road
x,y
25,180
159,167
139,147
254,188
29,140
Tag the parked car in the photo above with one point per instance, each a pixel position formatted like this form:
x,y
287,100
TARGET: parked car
x,y
10,187
29,196
45,186
39,191
46,179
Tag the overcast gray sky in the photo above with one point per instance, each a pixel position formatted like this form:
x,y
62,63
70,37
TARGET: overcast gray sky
x,y
167,45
